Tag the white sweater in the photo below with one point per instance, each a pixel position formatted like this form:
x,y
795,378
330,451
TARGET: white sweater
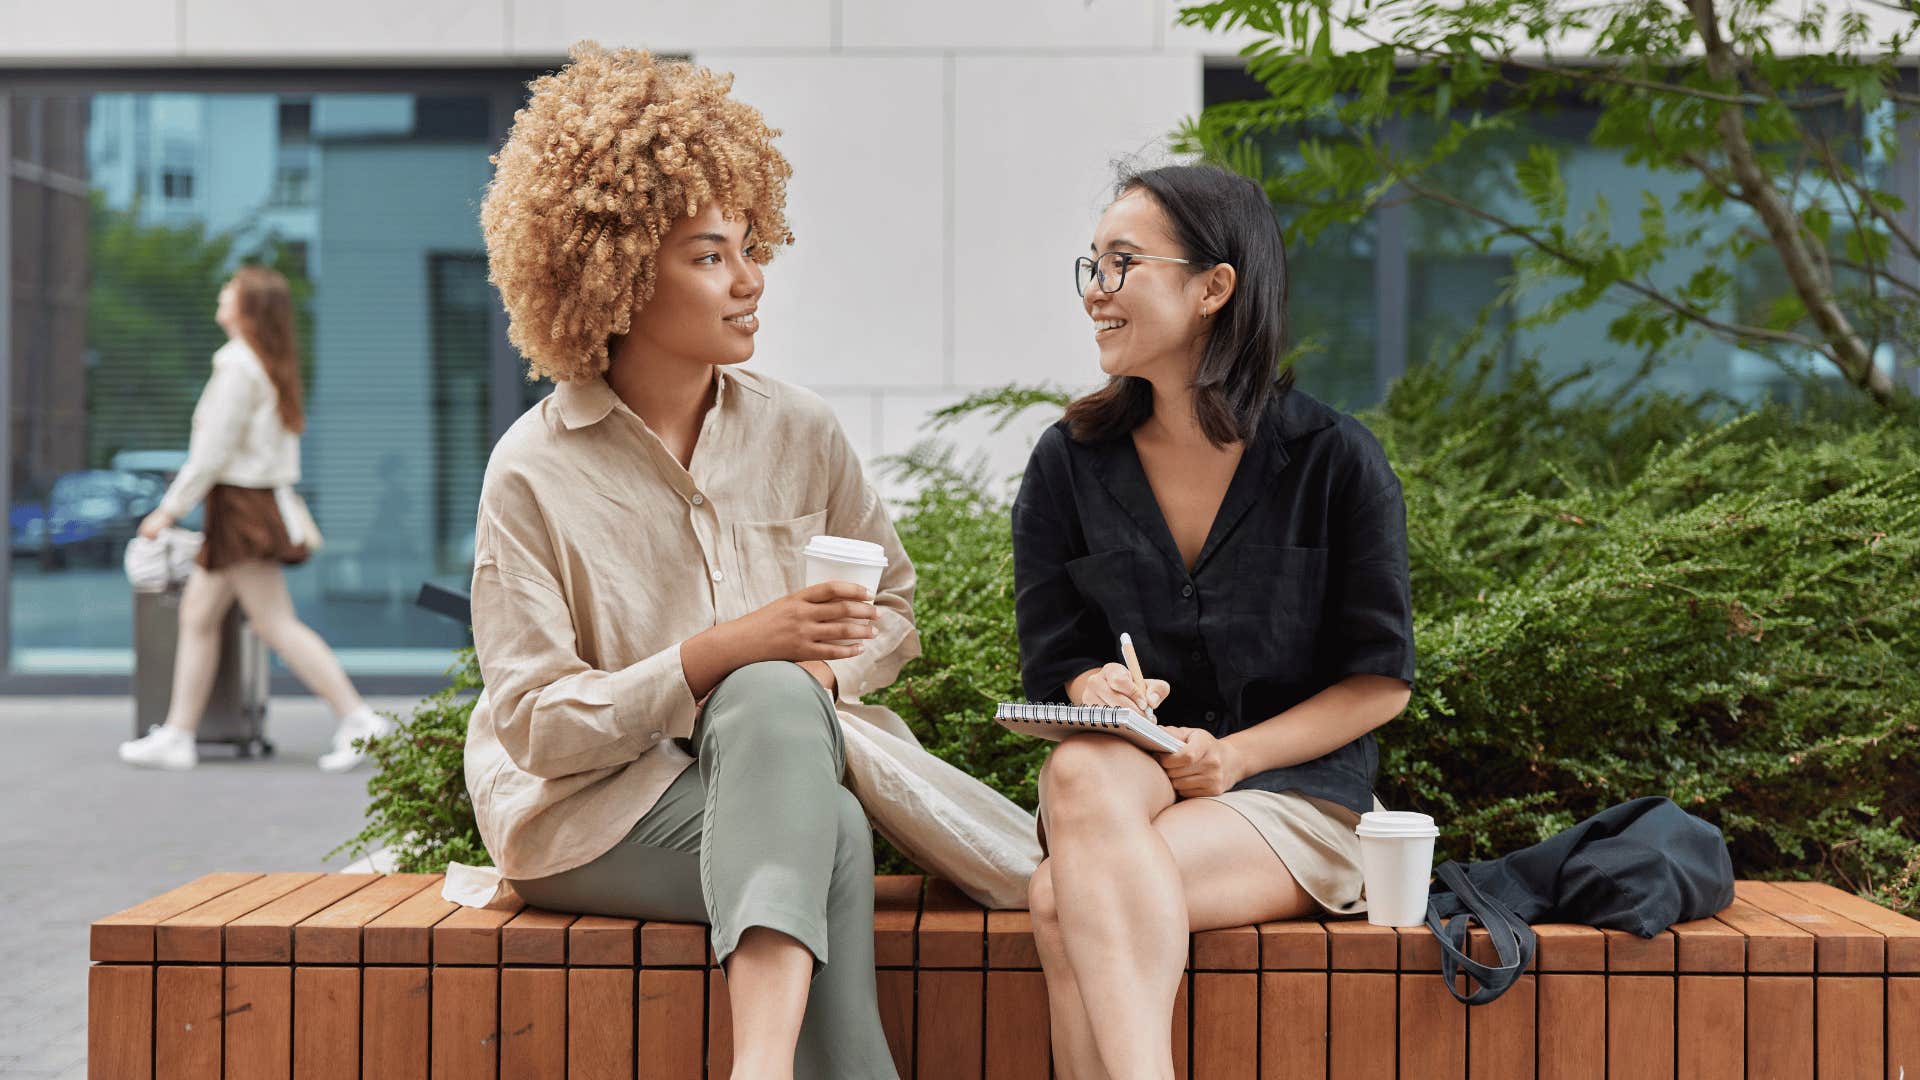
x,y
237,438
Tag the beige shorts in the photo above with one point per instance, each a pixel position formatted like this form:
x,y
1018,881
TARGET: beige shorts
x,y
1313,838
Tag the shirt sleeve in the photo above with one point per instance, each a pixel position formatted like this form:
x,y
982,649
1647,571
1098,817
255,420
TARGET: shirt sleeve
x,y
854,510
1370,631
219,423
1060,636
555,714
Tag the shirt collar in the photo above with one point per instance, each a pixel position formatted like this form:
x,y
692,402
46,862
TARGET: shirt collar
x,y
586,402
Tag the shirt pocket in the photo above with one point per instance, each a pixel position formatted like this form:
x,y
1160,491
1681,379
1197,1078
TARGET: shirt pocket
x,y
767,555
1274,616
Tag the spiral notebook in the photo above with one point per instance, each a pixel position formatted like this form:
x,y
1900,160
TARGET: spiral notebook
x,y
1056,722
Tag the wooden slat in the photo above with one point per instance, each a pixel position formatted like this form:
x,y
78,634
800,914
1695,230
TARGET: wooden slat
x,y
536,937
1840,945
1780,1026
332,935
1572,1025
1226,1023
1639,1027
673,1021
259,1027
950,1016
1773,945
1418,950
1293,1024
1293,946
600,1021
1018,1020
404,935
1903,1027
466,1043
1361,1015
1362,946
1569,948
896,918
1850,1033
1183,1026
1010,941
186,1022
1233,949
673,944
720,1020
120,1015
394,1022
602,941
195,936
1902,933
1433,1028
897,1017
1710,1018
127,936
953,929
471,936
326,1022
1631,952
265,934
1500,1034
1708,945
533,1024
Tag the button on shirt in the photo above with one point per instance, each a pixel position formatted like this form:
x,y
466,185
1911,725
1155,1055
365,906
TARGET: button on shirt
x,y
1302,581
596,554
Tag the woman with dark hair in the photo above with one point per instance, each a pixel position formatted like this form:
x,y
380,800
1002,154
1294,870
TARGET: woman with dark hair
x,y
1253,543
242,461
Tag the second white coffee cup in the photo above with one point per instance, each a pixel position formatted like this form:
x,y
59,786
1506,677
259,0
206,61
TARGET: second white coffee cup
x,y
1396,859
839,558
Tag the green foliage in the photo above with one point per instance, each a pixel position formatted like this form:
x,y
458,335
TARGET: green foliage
x,y
419,809
1614,597
1777,121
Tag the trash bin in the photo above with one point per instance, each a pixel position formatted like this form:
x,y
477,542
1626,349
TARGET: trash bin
x,y
236,713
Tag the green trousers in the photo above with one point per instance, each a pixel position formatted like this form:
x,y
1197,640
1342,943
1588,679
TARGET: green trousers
x,y
759,833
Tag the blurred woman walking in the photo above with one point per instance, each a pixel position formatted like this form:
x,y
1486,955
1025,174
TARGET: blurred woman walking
x,y
243,460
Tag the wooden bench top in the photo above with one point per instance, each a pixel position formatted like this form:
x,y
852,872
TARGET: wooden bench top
x,y
400,919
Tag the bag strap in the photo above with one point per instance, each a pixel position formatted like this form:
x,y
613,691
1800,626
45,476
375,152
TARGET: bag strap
x,y
1513,940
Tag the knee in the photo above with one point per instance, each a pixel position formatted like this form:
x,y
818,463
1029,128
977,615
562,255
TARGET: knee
x,y
1040,901
1082,771
769,700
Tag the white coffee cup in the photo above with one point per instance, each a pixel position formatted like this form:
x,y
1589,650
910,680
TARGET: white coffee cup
x,y
1396,860
838,558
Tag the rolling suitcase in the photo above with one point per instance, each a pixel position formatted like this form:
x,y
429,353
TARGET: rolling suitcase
x,y
236,709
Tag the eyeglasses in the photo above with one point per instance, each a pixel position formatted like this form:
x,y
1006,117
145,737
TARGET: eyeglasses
x,y
1111,269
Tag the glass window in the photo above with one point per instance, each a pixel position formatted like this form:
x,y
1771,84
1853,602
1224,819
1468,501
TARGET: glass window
x,y
368,203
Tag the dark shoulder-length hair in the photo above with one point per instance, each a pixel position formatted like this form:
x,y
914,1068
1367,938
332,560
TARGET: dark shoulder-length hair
x,y
1217,217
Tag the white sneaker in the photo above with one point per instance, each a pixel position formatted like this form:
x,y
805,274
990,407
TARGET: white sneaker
x,y
162,747
361,724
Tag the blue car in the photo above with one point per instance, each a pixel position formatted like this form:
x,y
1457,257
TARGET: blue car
x,y
90,514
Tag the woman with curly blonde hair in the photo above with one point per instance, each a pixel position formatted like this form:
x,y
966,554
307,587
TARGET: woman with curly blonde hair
x,y
658,738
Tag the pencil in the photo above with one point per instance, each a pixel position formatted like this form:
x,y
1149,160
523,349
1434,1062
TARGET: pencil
x,y
1133,668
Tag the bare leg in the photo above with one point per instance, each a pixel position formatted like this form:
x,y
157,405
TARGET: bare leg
x,y
767,979
203,609
1075,1057
262,590
1120,907
1230,874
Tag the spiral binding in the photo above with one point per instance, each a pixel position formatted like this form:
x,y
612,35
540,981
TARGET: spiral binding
x,y
1068,715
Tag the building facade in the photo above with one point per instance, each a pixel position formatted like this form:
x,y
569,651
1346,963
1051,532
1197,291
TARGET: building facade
x,y
950,161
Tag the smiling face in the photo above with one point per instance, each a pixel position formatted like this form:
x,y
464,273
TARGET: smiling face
x,y
705,293
1150,327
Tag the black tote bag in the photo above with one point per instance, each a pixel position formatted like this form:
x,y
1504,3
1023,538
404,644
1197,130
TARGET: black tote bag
x,y
1640,866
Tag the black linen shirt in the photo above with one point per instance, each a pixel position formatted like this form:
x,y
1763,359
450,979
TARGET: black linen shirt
x,y
1302,581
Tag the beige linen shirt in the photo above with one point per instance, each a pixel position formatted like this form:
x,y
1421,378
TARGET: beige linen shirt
x,y
596,555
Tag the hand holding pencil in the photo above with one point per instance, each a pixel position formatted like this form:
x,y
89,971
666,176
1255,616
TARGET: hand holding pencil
x,y
1116,686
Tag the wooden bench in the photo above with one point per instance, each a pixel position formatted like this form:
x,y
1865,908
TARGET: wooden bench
x,y
334,975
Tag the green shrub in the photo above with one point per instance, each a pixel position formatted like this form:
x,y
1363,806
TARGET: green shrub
x,y
1614,598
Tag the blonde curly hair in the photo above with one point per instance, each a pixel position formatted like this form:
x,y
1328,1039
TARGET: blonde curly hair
x,y
608,153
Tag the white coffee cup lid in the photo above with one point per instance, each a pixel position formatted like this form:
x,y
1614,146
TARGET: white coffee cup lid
x,y
1394,824
846,550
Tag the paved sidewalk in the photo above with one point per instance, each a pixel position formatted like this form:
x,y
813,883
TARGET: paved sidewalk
x,y
82,835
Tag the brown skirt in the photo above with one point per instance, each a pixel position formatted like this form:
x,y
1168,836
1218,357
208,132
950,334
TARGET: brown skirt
x,y
243,525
